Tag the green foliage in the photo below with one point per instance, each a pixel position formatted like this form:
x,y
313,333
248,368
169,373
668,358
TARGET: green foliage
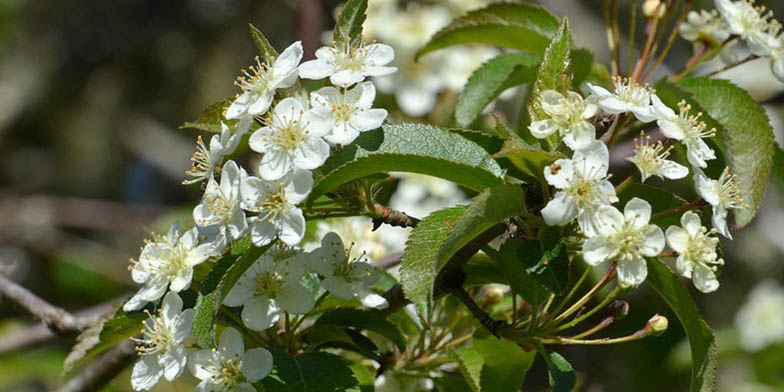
x,y
552,73
537,266
659,199
415,148
513,25
217,285
348,27
122,325
530,160
417,266
492,364
511,263
309,372
561,372
744,133
701,339
266,49
470,363
210,118
362,321
490,80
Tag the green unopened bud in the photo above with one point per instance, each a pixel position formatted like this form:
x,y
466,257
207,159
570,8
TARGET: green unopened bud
x,y
653,9
618,309
657,324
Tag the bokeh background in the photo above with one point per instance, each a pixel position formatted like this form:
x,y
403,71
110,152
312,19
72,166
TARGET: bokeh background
x,y
92,94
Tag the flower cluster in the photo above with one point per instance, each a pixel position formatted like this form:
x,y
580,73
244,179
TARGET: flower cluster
x,y
294,137
754,26
584,191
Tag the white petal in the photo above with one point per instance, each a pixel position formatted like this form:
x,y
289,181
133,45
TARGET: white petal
x,y
691,222
262,232
597,250
258,140
239,108
182,280
295,298
173,362
613,105
315,69
231,344
580,136
201,364
275,164
607,220
362,95
346,78
592,161
706,188
325,98
560,173
261,104
182,325
372,70
171,307
664,112
645,114
704,279
256,364
379,54
343,133
369,298
671,129
299,186
677,239
292,226
146,373
684,266
415,101
239,294
288,60
319,122
638,212
338,287
598,90
654,241
777,67
366,120
674,170
632,272
560,210
311,154
543,128
260,313
719,220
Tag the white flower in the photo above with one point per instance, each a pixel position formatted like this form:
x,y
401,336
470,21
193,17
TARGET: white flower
x,y
582,187
409,29
750,23
697,258
350,112
777,60
205,160
568,117
704,25
760,320
722,194
417,84
219,215
162,347
230,367
651,160
629,96
625,239
357,230
276,202
349,66
270,287
687,129
345,277
292,139
166,263
259,85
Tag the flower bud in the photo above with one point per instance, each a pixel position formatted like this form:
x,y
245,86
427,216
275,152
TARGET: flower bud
x,y
657,325
618,309
653,9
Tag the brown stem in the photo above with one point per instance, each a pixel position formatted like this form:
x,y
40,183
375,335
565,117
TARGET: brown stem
x,y
696,203
100,372
383,214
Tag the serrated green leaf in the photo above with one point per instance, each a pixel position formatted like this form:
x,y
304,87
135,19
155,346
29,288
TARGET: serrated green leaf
x,y
580,65
746,135
470,363
266,50
530,160
348,27
505,363
363,321
415,148
659,199
552,75
514,268
309,372
549,265
217,285
701,340
561,372
489,142
210,118
417,266
490,80
513,25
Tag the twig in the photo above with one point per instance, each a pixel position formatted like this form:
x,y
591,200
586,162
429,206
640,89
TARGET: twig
x,y
383,214
103,370
389,261
57,319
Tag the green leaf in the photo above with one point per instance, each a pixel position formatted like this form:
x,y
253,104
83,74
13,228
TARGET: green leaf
x,y
549,265
701,339
580,65
417,266
309,372
120,326
659,199
345,338
505,363
415,148
490,80
470,363
562,377
513,267
363,321
348,27
266,49
552,74
210,118
530,160
512,25
217,285
744,133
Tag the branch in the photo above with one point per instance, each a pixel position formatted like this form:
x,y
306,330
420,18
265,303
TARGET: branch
x,y
389,261
56,319
100,372
383,214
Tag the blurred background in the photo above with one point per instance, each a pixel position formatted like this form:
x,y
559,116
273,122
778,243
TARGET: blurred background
x,y
91,97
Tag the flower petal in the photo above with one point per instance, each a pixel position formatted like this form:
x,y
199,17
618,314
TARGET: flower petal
x,y
704,279
638,212
654,241
632,272
231,344
597,250
146,373
260,313
560,210
256,364
295,298
677,239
